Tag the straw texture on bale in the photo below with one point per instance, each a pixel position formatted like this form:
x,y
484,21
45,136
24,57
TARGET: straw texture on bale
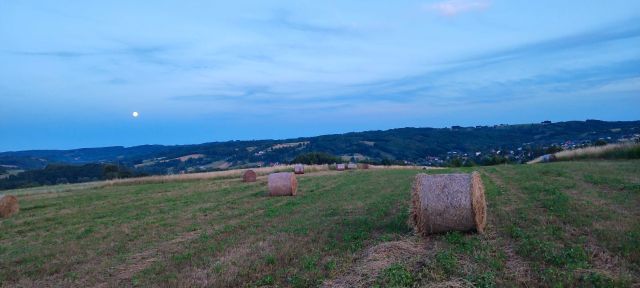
x,y
352,166
8,206
282,184
340,167
448,202
249,176
298,169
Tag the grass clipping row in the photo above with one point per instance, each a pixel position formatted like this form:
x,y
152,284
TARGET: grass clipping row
x,y
8,206
448,202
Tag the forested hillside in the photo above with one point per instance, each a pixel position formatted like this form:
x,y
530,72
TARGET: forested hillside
x,y
483,145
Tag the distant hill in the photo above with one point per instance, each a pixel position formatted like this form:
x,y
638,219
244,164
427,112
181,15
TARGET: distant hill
x,y
423,146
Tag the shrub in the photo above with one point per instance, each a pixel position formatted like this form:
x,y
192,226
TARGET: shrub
x,y
316,158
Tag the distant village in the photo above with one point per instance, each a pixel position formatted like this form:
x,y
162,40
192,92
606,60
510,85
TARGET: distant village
x,y
521,154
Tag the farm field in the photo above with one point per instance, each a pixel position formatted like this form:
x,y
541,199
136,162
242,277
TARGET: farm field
x,y
556,224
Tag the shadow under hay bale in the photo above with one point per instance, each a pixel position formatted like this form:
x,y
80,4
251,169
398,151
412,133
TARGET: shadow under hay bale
x,y
298,169
8,206
340,167
448,202
249,176
282,184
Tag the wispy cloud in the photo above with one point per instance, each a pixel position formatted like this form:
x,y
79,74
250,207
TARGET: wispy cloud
x,y
56,54
230,92
456,83
617,32
622,31
455,7
150,54
284,19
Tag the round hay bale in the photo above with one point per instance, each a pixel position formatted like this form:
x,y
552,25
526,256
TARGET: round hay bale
x,y
352,166
8,206
298,169
282,184
340,167
548,158
448,202
249,176
364,166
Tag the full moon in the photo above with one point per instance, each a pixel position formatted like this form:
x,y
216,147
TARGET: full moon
x,y
135,114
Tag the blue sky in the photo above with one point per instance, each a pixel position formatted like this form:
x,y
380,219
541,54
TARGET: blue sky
x,y
72,72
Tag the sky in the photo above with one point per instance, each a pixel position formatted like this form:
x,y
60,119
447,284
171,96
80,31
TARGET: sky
x,y
73,72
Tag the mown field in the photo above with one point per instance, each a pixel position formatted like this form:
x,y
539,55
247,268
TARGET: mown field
x,y
559,224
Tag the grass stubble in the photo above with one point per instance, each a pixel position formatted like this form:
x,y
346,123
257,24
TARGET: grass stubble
x,y
558,224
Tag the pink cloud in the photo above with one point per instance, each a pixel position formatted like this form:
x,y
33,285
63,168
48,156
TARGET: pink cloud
x,y
455,7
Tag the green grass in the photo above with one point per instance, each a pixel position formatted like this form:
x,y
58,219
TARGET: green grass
x,y
559,224
557,217
396,275
243,236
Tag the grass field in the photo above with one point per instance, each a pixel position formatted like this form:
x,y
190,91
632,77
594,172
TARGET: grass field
x,y
557,224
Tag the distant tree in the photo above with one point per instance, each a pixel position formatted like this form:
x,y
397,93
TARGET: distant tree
x,y
110,171
600,142
455,162
468,163
316,158
552,149
386,162
494,160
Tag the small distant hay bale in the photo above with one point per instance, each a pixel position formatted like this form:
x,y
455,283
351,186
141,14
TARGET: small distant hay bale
x,y
298,169
8,206
340,167
364,166
352,166
548,158
282,184
249,176
448,202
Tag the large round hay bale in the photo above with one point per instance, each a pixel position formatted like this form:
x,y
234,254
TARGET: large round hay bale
x,y
340,167
249,176
298,169
352,166
448,202
282,184
364,166
8,206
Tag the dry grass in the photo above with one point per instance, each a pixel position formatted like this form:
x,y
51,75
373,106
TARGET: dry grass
x,y
376,259
235,173
401,167
188,177
215,175
606,151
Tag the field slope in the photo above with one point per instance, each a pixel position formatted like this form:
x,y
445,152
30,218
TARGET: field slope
x,y
573,223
